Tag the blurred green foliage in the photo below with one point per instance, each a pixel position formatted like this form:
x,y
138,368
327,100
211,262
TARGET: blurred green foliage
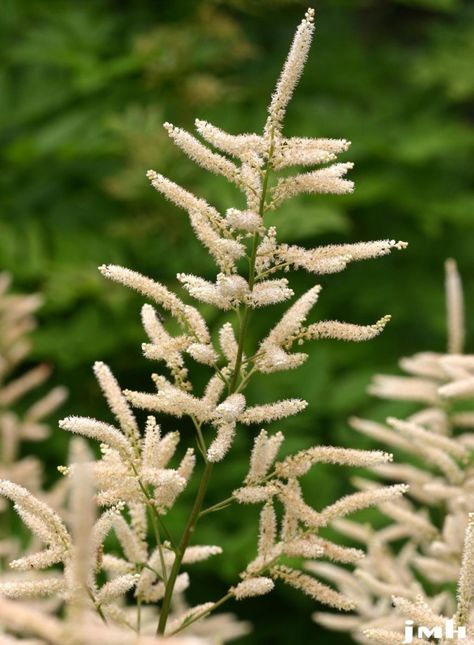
x,y
84,88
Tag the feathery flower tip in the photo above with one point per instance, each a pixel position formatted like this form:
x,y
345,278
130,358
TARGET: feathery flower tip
x,y
253,587
291,72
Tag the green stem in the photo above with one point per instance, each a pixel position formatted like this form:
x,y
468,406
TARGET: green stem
x,y
160,523
188,531
200,439
96,605
156,523
238,362
245,319
154,510
273,269
200,615
159,545
228,500
219,602
217,507
221,375
253,257
144,565
245,381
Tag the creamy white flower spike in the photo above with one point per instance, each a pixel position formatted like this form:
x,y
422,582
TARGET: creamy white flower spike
x,y
344,331
253,587
312,587
117,402
325,181
235,145
335,257
267,529
455,308
201,155
228,343
100,431
263,455
205,220
144,468
186,315
204,354
300,463
291,73
466,578
245,221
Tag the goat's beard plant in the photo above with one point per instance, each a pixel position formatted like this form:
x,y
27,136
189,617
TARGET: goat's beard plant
x,y
136,487
420,567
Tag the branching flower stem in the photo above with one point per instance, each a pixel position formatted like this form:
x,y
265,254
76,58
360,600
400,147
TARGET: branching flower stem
x,y
137,476
219,602
96,605
202,614
245,380
233,387
200,439
264,568
188,531
251,280
156,529
272,270
228,500
217,507
157,521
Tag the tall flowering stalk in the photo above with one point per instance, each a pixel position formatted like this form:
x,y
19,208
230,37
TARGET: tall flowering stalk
x,y
138,478
430,579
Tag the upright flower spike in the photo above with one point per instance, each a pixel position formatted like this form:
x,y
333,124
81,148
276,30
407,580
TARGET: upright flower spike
x,y
290,74
142,473
455,309
117,402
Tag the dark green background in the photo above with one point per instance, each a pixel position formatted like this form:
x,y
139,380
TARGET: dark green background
x,y
84,88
